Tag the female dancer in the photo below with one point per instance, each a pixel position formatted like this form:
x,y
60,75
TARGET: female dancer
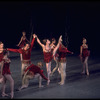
x,y
22,42
1,60
31,72
26,54
84,54
62,62
48,55
7,76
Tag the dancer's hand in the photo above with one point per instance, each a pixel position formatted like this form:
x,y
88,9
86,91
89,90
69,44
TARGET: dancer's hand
x,y
33,35
60,38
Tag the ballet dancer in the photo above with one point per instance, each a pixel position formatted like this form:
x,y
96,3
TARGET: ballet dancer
x,y
48,54
7,76
84,55
26,54
33,71
62,51
22,42
2,50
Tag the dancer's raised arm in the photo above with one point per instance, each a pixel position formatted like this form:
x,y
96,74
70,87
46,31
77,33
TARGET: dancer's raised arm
x,y
42,45
56,48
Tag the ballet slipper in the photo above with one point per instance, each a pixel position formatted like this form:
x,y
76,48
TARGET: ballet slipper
x,y
41,86
48,82
83,72
12,95
4,95
59,82
62,83
87,73
23,87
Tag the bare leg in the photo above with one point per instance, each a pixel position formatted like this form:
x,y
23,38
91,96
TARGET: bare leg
x,y
55,68
3,87
10,79
86,63
48,66
83,71
63,73
22,69
25,81
40,81
21,57
24,66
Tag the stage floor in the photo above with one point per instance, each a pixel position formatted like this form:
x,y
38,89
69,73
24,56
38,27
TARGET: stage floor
x,y
77,86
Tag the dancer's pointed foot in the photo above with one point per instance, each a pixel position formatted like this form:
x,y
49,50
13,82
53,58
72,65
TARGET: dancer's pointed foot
x,y
40,86
87,73
83,73
61,83
48,82
4,95
22,87
12,95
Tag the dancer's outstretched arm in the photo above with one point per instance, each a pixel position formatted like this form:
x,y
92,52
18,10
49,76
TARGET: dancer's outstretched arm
x,y
42,45
56,48
20,41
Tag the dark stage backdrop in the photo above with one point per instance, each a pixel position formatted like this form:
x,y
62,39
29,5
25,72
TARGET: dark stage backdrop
x,y
51,19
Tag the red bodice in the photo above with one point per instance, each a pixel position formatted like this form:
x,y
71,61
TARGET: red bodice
x,y
6,69
47,56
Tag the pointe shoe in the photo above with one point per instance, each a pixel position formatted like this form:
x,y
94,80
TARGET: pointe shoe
x,y
23,87
4,95
83,73
59,82
48,82
40,86
62,83
12,95
88,74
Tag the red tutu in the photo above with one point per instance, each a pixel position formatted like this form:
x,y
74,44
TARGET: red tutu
x,y
47,57
6,69
85,52
22,43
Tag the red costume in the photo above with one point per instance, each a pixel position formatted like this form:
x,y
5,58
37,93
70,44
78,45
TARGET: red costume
x,y
62,53
1,56
26,54
35,69
6,69
22,43
85,52
47,56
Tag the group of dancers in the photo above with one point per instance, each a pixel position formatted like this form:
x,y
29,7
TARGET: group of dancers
x,y
29,71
